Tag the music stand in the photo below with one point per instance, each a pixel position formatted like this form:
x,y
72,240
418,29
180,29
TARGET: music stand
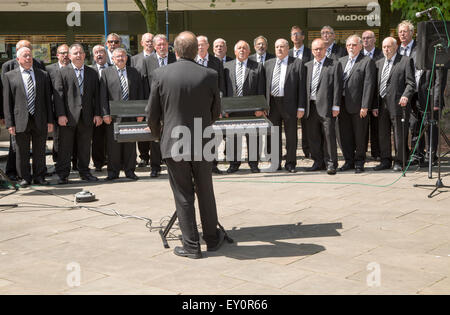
x,y
241,104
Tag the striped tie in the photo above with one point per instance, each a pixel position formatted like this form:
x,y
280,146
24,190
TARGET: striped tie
x,y
384,78
80,80
347,70
31,93
329,52
161,62
315,79
201,62
276,79
240,80
123,85
297,53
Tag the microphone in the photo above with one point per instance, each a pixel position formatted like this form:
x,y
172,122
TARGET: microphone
x,y
419,14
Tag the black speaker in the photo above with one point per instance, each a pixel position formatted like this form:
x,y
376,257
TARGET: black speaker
x,y
427,38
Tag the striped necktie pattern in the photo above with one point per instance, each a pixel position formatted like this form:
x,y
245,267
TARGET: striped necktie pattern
x,y
31,94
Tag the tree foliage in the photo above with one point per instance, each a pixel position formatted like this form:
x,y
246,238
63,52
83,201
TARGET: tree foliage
x,y
409,9
149,10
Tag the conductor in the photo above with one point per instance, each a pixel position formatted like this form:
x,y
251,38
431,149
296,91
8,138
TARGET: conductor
x,y
182,92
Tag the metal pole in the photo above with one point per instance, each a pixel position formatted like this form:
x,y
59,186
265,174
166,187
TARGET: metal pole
x,y
105,17
167,20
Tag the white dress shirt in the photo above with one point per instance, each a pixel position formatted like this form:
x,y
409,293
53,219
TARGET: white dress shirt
x,y
284,64
25,76
300,52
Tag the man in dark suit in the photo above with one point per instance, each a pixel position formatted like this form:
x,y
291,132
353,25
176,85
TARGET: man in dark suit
x,y
162,57
77,108
299,50
359,83
114,41
99,154
119,83
286,96
261,55
205,59
28,115
304,53
369,40
324,95
244,77
62,53
138,62
220,50
396,87
333,50
12,64
181,92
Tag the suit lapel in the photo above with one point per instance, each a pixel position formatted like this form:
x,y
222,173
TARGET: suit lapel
x,y
18,76
397,59
233,75
358,59
270,69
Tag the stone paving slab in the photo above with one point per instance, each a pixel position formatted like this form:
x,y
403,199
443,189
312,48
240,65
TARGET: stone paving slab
x,y
302,233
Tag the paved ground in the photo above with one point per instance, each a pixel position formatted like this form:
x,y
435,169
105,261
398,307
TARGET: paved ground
x,y
297,233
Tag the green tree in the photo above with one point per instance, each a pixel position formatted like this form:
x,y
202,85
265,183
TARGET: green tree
x,y
409,9
149,10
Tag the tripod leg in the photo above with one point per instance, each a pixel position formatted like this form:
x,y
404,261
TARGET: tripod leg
x,y
165,232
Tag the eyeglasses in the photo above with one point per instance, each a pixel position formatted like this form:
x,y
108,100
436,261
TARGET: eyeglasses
x,y
365,38
62,52
114,42
296,34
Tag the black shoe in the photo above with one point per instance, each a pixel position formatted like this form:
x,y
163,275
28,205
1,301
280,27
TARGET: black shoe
x,y
255,169
49,174
382,166
359,169
24,183
316,167
98,169
13,178
143,163
232,169
40,181
132,176
216,170
89,177
331,170
397,168
75,168
221,238
180,251
290,168
63,181
347,166
154,173
111,177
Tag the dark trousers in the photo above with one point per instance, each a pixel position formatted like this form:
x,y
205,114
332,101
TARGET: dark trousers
x,y
121,156
372,136
99,145
154,156
187,179
81,133
415,122
305,145
237,150
11,169
322,137
55,147
353,131
279,116
388,121
37,138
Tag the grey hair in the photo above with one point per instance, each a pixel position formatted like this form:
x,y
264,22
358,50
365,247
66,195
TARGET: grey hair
x,y
76,45
327,27
98,47
256,39
120,49
286,43
204,37
220,40
407,24
352,37
22,50
158,36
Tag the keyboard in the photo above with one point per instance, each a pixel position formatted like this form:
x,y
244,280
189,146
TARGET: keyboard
x,y
132,132
231,125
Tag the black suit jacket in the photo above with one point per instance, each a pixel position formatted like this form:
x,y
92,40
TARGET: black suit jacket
x,y
137,61
338,51
307,54
294,84
67,98
361,83
52,70
254,79
329,89
150,64
110,89
268,57
15,101
215,64
401,82
181,92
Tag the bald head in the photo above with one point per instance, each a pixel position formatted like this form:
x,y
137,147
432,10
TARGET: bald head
x,y
281,48
318,48
389,47
186,45
23,43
